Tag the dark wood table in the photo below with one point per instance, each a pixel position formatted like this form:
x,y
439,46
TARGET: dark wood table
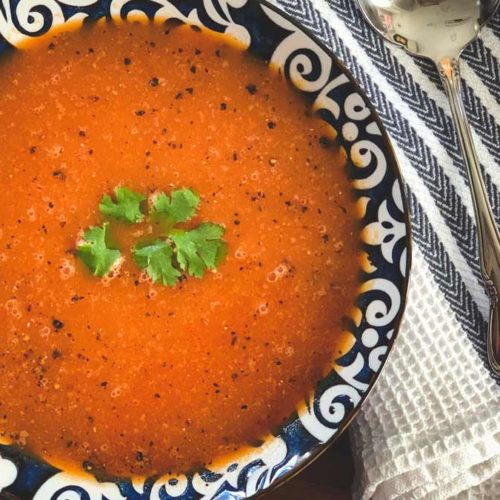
x,y
328,478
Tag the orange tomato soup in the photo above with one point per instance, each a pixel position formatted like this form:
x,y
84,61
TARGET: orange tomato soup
x,y
129,377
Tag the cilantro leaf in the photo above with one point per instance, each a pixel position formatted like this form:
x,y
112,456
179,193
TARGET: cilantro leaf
x,y
199,249
94,253
190,250
179,207
127,206
156,259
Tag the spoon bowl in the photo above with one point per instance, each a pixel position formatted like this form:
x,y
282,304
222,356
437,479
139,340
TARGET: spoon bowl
x,y
439,30
432,28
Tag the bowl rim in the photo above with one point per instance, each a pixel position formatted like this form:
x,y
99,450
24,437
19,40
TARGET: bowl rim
x,y
395,166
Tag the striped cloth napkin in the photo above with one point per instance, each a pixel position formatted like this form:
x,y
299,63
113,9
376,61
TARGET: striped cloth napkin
x,y
431,427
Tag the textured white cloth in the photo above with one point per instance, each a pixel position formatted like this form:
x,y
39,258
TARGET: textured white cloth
x,y
431,427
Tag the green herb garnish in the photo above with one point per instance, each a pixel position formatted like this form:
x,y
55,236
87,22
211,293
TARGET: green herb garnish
x,y
157,260
179,207
199,249
177,252
127,206
94,252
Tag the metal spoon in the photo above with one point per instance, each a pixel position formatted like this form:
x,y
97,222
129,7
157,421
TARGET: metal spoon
x,y
439,30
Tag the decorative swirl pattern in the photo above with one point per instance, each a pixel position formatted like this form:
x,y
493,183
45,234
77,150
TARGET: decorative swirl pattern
x,y
363,154
323,416
382,310
338,100
33,18
30,18
356,108
303,61
64,486
325,102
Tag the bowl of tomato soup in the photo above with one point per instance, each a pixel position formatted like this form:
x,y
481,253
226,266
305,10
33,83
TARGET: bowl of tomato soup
x,y
204,249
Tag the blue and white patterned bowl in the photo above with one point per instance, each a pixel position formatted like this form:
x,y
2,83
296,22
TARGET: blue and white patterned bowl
x,y
377,185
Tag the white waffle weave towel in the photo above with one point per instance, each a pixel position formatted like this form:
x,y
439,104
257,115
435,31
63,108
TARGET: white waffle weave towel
x,y
431,427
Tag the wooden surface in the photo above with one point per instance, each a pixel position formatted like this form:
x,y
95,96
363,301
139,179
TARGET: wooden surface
x,y
328,478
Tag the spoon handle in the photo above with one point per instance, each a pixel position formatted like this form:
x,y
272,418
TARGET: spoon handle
x,y
489,236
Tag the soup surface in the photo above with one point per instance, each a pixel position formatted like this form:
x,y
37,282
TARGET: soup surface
x,y
123,375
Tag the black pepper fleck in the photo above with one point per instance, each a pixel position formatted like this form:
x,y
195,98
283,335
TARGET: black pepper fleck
x,y
57,324
251,88
59,174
